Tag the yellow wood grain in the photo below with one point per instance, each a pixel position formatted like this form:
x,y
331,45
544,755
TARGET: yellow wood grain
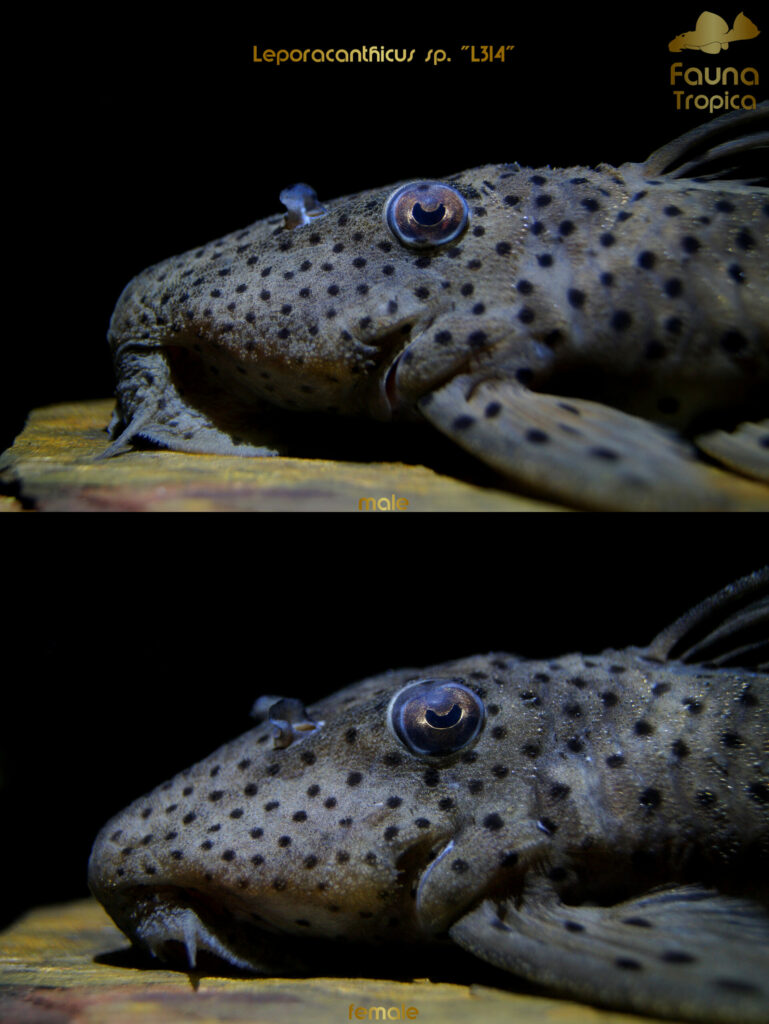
x,y
51,462
60,965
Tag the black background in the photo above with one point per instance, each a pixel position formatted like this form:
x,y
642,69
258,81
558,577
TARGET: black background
x,y
155,132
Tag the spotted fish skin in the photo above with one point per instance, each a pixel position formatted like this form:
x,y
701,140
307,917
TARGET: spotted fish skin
x,y
589,783
641,296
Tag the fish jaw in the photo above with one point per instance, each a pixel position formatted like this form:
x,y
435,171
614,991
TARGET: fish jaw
x,y
176,924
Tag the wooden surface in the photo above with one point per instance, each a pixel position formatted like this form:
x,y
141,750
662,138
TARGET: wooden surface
x,y
50,467
68,964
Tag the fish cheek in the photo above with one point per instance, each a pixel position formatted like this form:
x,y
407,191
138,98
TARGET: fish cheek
x,y
489,857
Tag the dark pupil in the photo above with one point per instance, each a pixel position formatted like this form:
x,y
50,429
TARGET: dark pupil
x,y
443,721
426,217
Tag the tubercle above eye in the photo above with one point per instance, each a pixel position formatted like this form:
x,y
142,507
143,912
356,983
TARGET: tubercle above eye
x,y
425,214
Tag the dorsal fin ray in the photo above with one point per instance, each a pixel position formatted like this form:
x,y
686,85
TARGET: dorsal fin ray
x,y
734,136
731,628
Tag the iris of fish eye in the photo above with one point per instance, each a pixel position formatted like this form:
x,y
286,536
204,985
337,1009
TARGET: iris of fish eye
x,y
436,717
425,214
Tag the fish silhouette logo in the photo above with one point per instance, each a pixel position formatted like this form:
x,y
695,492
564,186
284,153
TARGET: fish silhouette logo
x,y
712,34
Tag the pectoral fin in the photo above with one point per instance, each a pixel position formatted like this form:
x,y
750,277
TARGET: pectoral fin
x,y
745,450
682,952
581,452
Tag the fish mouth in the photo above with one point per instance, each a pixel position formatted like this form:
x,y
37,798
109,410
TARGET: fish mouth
x,y
188,930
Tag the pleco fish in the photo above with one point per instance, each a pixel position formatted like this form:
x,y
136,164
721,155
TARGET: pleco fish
x,y
589,333
598,825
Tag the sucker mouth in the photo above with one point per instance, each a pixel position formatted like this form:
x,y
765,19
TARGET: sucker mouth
x,y
183,928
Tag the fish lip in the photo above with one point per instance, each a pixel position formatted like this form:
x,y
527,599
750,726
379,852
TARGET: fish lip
x,y
186,929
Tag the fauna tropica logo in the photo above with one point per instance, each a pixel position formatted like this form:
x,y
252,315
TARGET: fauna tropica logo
x,y
712,34
719,87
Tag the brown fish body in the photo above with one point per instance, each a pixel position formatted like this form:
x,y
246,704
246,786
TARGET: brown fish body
x,y
494,800
574,317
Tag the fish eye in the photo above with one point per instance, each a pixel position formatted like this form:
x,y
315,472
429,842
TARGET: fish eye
x,y
426,213
436,717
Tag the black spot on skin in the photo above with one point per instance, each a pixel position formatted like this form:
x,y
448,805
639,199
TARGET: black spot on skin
x,y
573,926
607,239
620,320
679,748
637,922
627,964
431,777
733,342
643,728
689,244
493,822
576,298
744,239
759,791
646,260
650,798
677,956
575,744
559,790
307,756
591,205
492,409
615,760
460,866
735,985
731,739
609,698
673,288
671,211
463,422
694,707
509,860
674,324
